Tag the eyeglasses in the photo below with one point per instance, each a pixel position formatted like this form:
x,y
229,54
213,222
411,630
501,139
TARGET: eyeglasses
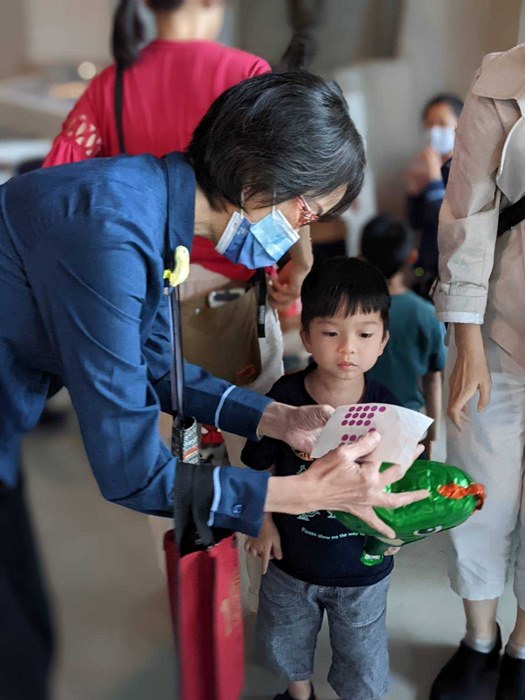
x,y
306,214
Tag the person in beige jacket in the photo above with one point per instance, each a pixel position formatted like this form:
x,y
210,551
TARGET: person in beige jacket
x,y
482,296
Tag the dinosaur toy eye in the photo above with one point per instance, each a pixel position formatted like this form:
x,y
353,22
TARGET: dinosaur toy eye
x,y
428,531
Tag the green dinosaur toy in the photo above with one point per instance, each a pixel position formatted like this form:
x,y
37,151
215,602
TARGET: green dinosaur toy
x,y
453,497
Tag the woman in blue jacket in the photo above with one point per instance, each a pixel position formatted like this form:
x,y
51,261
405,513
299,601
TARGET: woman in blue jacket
x,y
83,249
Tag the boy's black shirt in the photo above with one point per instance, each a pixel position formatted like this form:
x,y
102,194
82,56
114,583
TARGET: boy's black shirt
x,y
316,547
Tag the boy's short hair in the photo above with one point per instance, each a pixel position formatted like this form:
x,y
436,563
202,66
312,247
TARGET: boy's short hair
x,y
347,285
387,244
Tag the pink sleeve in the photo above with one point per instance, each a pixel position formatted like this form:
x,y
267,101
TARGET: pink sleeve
x,y
259,68
80,137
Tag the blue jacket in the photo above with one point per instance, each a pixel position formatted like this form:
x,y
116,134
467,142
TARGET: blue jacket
x,y
82,250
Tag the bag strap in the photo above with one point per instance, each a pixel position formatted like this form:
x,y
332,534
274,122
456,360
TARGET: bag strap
x,y
508,218
118,104
177,359
194,487
511,216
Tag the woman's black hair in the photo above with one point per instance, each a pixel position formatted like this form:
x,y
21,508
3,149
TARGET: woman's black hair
x,y
387,243
129,30
303,17
453,101
276,137
344,285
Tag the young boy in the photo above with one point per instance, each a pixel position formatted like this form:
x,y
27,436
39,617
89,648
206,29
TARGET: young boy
x,y
412,363
316,561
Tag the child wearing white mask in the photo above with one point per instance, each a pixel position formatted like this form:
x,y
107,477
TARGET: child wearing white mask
x,y
424,185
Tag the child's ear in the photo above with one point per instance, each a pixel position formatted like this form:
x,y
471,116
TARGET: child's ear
x,y
305,339
386,338
412,258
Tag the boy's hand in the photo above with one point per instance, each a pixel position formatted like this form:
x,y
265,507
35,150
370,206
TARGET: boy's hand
x,y
267,545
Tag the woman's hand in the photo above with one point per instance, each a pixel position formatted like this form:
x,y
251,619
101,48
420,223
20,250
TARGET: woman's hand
x,y
470,373
343,480
267,545
299,427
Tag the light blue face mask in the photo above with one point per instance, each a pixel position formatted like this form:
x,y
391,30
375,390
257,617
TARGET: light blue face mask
x,y
441,139
257,245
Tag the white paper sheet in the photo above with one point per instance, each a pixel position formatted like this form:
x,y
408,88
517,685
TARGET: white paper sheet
x,y
400,428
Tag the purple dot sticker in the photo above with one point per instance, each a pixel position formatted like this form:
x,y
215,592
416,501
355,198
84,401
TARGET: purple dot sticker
x,y
344,438
353,438
359,422
382,409
352,422
367,422
344,422
374,408
363,415
372,430
366,408
348,415
370,415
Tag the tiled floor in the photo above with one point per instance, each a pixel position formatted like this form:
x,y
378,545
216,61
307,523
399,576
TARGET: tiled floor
x,y
111,606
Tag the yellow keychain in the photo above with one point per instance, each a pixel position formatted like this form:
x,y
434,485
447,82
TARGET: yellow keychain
x,y
181,268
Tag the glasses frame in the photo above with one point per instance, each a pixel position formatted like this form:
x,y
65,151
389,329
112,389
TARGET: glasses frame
x,y
306,214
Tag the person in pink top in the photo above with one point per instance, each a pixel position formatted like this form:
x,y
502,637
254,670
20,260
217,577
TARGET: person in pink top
x,y
168,85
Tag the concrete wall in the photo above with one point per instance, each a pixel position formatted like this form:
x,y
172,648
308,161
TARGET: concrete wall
x,y
12,37
36,32
350,30
59,30
445,41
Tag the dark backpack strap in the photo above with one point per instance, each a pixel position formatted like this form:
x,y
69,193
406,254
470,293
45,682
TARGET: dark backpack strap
x,y
511,216
118,104
177,359
508,218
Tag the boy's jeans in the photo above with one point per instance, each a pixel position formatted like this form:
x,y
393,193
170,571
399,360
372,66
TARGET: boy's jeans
x,y
290,616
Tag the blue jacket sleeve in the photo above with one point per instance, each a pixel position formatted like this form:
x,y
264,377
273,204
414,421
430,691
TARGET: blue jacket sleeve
x,y
239,497
91,295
